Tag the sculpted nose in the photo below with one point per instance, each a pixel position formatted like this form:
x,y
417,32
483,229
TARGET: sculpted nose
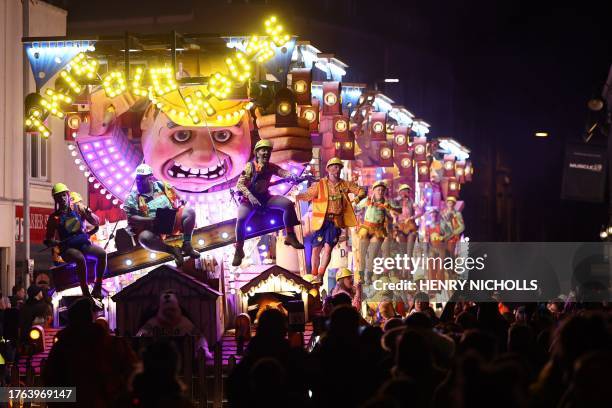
x,y
201,148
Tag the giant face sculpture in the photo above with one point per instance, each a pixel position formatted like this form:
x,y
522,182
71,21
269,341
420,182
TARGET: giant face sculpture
x,y
195,159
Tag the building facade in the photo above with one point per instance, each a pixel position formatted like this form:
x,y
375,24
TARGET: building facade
x,y
51,161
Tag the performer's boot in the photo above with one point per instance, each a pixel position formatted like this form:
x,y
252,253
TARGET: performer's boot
x,y
291,239
96,293
188,250
97,303
178,256
238,255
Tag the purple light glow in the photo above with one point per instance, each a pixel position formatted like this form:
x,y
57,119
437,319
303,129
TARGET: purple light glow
x,y
109,182
118,189
272,222
90,156
111,149
126,182
118,176
105,160
86,147
96,144
112,169
102,174
108,142
121,163
249,229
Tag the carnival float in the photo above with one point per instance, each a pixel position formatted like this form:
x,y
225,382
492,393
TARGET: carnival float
x,y
213,119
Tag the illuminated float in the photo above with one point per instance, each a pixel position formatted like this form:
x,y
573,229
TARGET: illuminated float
x,y
192,107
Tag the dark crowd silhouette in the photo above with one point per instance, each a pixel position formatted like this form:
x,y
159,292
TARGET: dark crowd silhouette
x,y
556,354
474,355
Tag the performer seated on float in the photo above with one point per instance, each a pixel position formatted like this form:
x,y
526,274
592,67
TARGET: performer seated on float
x,y
253,183
141,207
453,224
331,211
67,223
373,230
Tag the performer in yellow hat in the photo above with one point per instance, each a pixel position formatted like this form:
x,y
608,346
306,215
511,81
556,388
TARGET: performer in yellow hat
x,y
346,284
373,229
453,224
67,224
253,183
435,236
406,228
331,211
141,207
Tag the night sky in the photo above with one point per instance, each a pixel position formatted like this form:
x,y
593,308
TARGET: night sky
x,y
488,73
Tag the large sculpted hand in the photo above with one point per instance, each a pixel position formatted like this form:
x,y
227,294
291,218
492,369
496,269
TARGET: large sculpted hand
x,y
291,144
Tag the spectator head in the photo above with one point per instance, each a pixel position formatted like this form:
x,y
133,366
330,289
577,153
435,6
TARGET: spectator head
x,y
370,340
466,320
520,314
414,355
418,321
19,292
80,312
479,384
578,335
344,320
103,323
35,293
555,307
266,376
421,301
386,310
390,338
272,324
481,342
520,339
340,299
392,324
591,376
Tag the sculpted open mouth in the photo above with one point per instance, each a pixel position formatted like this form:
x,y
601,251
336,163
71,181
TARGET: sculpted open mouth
x,y
175,169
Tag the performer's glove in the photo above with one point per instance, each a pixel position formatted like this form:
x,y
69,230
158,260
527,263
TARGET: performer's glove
x,y
254,201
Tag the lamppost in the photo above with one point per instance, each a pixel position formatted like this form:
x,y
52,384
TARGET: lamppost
x,y
25,273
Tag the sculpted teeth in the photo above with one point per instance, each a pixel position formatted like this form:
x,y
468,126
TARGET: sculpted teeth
x,y
182,171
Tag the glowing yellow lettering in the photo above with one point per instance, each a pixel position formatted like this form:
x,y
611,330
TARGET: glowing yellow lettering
x,y
163,80
136,85
219,86
239,67
114,84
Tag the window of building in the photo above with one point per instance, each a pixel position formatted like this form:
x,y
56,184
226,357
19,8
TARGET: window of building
x,y
38,157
